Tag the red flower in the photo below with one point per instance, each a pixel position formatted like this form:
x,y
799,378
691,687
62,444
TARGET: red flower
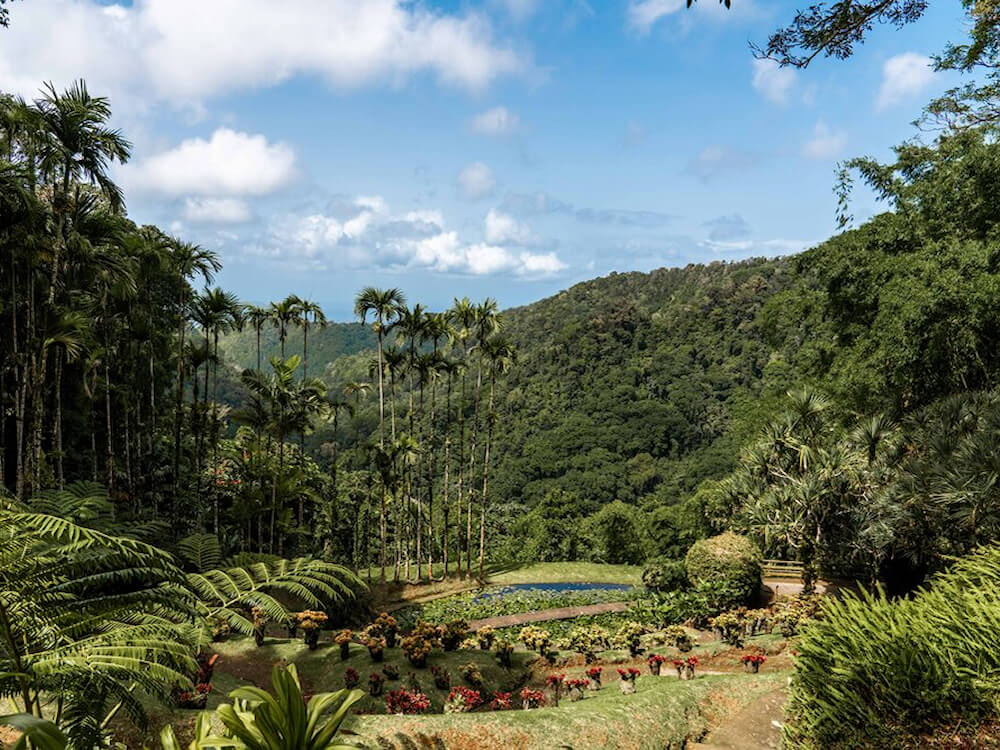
x,y
554,680
692,661
594,673
403,701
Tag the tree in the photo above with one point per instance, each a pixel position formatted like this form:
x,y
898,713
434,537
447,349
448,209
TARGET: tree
x,y
309,313
500,356
384,306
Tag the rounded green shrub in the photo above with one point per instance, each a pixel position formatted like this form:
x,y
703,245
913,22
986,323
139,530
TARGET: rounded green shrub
x,y
665,574
727,560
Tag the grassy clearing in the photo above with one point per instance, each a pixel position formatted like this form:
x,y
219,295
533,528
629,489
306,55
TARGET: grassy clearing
x,y
663,710
567,572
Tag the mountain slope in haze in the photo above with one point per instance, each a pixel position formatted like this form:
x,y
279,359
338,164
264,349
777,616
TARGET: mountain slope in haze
x,y
324,345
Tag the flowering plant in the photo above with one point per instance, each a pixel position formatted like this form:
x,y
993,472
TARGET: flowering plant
x,y
753,659
375,683
656,659
351,678
628,674
594,673
535,638
442,679
471,674
555,680
388,626
343,637
462,700
579,683
532,698
501,702
402,701
416,649
692,661
503,650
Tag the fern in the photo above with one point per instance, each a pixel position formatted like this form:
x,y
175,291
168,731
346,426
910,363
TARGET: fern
x,y
201,551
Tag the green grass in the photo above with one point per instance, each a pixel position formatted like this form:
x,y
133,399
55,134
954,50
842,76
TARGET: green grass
x,y
663,710
567,572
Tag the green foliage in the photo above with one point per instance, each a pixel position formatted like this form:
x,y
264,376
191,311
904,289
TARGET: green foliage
x,y
875,671
42,734
615,534
663,574
277,720
727,560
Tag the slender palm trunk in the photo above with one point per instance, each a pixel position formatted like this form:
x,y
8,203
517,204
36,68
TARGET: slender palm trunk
x,y
179,402
490,421
57,437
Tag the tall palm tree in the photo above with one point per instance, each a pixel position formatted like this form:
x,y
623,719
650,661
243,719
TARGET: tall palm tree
x,y
384,306
309,313
187,261
257,316
284,315
463,313
500,355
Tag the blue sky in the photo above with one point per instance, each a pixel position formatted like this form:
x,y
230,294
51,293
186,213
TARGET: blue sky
x,y
506,148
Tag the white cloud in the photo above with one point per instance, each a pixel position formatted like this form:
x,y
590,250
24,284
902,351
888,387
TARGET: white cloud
x,y
216,211
378,239
825,143
497,121
476,180
904,76
501,228
519,10
229,163
183,51
642,14
760,247
772,81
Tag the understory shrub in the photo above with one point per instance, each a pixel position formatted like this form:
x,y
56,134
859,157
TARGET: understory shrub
x,y
728,560
872,672
663,574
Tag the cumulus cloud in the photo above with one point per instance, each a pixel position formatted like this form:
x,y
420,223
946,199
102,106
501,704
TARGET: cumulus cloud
x,y
496,122
500,228
772,81
373,237
760,247
716,161
182,51
904,76
229,163
476,181
216,211
825,143
643,14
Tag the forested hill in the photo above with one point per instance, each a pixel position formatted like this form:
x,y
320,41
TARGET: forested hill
x,y
325,344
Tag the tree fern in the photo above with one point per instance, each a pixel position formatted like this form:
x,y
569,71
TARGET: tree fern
x,y
201,551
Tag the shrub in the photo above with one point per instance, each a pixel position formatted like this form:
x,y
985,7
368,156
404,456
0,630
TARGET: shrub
x,y
485,637
532,698
453,634
470,672
731,628
386,623
726,560
677,636
874,672
628,637
442,678
503,650
462,700
404,702
391,672
535,639
588,641
416,649
501,702
665,574
351,678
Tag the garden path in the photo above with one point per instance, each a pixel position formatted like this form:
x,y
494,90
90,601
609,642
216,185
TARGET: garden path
x,y
757,726
559,613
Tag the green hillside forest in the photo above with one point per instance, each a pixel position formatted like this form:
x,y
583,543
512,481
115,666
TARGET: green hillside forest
x,y
213,514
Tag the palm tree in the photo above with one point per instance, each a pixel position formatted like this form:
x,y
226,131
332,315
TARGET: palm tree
x,y
257,316
383,305
499,354
463,313
284,315
187,261
308,310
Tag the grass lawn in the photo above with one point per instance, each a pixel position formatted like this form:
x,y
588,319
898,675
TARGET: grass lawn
x,y
567,572
663,710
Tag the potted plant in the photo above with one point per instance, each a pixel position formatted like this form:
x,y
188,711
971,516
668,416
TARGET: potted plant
x,y
485,637
752,662
689,664
504,650
442,678
462,700
470,672
454,633
416,649
679,666
575,687
655,661
628,637
501,702
402,701
343,639
259,623
376,647
351,678
388,628
375,683
311,621
678,637
391,672
594,675
532,698
554,682
627,682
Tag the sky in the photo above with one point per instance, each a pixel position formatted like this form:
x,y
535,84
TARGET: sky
x,y
504,148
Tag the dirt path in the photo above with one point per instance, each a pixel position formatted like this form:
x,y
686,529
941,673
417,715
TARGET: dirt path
x,y
756,726
560,613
